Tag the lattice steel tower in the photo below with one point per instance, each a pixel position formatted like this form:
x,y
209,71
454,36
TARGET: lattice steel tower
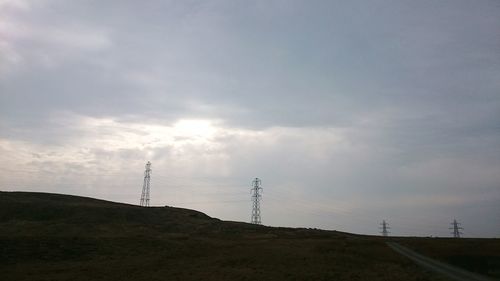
x,y
256,196
456,229
146,185
385,228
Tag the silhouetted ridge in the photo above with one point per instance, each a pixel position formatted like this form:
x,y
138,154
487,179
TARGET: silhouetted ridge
x,y
45,211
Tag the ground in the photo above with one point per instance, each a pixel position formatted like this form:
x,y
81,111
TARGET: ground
x,y
61,237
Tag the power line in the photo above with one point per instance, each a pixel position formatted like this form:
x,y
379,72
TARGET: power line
x,y
205,183
146,186
385,228
256,196
456,229
208,202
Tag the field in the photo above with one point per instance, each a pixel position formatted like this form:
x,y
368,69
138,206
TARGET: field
x,y
61,237
476,255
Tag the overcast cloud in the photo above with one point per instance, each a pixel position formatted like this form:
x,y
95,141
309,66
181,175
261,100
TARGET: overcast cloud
x,y
350,112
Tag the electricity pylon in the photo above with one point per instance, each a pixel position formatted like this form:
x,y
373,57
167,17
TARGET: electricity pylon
x,y
256,196
145,186
385,228
456,229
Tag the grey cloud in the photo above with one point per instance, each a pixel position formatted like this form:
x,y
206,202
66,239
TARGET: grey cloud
x,y
409,88
252,58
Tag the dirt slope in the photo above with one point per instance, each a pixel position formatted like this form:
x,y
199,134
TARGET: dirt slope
x,y
61,237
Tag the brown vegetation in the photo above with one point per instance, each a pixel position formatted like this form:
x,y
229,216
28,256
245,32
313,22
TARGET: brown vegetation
x,y
60,237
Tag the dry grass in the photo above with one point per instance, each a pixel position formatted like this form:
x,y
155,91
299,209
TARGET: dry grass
x,y
59,237
477,255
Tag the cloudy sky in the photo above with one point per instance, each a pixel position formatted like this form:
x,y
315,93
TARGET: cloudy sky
x,y
350,112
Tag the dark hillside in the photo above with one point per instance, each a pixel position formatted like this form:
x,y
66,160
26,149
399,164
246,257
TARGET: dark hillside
x,y
61,237
55,214
476,255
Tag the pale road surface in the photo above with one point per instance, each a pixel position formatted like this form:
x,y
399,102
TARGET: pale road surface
x,y
452,272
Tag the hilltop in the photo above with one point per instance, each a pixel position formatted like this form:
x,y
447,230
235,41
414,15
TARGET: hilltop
x,y
61,237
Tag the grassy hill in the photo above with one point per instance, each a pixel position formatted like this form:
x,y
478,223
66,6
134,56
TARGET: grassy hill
x,y
61,237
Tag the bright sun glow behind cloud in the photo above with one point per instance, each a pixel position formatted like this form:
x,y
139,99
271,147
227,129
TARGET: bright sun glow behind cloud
x,y
132,135
194,128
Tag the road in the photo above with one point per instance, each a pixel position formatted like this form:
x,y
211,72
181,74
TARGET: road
x,y
452,272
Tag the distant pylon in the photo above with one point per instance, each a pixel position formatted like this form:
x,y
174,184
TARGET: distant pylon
x,y
146,185
456,229
385,228
256,201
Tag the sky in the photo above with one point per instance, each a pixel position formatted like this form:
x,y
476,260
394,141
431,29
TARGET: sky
x,y
350,112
